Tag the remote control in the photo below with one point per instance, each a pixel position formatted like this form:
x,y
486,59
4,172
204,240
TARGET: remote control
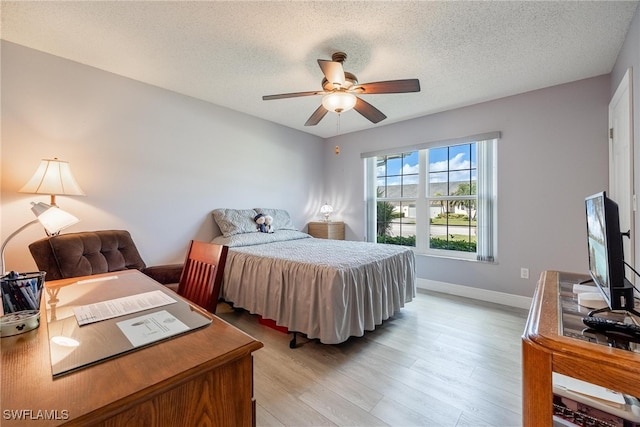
x,y
607,325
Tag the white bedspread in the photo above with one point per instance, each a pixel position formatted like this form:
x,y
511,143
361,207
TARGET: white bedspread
x,y
327,289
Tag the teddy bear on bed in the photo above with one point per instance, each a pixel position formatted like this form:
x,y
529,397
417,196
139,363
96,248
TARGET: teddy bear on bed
x,y
264,223
260,219
268,223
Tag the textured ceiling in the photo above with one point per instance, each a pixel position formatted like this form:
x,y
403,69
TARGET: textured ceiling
x,y
232,53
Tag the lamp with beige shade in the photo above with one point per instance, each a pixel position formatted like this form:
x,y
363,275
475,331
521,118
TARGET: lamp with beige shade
x,y
53,177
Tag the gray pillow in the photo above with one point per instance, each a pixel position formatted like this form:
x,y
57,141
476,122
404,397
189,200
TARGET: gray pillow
x,y
235,221
281,218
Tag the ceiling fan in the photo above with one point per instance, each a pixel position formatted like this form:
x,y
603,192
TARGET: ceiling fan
x,y
340,89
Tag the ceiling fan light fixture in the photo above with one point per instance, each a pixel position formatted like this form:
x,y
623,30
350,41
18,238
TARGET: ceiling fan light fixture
x,y
340,87
339,102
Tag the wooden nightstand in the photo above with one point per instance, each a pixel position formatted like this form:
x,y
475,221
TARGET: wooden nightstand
x,y
327,230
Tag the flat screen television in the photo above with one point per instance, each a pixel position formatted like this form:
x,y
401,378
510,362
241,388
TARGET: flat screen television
x,y
606,254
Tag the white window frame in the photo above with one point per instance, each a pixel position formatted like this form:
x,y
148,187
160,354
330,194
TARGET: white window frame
x,y
486,197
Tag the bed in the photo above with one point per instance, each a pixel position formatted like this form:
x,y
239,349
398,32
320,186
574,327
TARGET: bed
x,y
326,289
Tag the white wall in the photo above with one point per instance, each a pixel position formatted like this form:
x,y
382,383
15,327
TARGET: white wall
x,y
150,161
629,57
553,153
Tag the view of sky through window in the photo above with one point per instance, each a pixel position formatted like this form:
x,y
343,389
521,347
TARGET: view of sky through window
x,y
446,164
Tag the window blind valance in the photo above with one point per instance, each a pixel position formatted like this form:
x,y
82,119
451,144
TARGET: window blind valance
x,y
432,144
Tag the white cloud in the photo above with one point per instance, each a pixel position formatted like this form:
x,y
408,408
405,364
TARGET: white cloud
x,y
458,162
410,169
458,165
455,164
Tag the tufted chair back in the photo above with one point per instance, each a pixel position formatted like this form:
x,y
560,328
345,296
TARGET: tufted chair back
x,y
92,252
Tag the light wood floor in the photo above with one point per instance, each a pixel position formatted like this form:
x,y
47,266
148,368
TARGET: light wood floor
x,y
443,361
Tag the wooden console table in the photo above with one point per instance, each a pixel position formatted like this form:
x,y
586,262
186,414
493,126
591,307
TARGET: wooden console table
x,y
545,349
203,377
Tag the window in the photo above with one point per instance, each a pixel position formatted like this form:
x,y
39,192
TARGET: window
x,y
438,198
452,197
397,181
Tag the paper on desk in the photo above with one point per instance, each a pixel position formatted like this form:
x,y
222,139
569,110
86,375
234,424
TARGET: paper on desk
x,y
96,312
602,394
151,327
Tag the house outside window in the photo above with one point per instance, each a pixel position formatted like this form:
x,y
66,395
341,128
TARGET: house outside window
x,y
439,198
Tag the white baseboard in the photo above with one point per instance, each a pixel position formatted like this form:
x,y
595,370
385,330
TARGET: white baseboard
x,y
475,293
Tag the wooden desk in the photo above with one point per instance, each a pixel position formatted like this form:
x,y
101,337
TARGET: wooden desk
x,y
204,377
546,350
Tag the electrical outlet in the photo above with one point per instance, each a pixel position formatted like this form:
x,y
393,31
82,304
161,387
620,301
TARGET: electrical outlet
x,y
524,273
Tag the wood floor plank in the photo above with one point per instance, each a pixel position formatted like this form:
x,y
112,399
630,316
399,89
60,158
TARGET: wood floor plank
x,y
338,410
287,408
442,361
353,391
421,400
396,414
265,419
455,391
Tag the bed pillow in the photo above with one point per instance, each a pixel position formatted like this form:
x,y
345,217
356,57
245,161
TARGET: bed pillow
x,y
235,221
281,218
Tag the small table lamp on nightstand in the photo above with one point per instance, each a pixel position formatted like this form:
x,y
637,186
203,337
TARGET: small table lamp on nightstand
x,y
326,210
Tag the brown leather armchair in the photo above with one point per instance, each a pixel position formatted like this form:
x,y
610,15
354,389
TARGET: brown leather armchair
x,y
93,252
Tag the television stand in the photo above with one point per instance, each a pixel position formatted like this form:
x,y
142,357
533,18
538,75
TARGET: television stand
x,y
552,342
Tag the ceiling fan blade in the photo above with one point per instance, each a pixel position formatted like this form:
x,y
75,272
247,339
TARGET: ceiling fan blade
x,y
389,86
370,112
292,95
333,71
316,116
